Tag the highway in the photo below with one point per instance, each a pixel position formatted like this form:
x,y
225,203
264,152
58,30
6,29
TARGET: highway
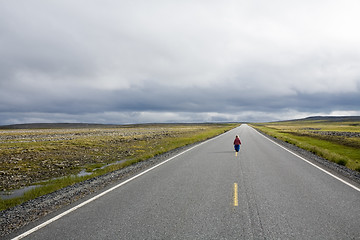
x,y
265,192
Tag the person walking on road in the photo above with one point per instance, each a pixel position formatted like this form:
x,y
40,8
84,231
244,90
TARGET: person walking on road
x,y
237,144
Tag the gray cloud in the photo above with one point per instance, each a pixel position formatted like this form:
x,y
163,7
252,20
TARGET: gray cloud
x,y
141,61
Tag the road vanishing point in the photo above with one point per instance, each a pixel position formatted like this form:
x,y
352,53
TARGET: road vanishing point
x,y
206,192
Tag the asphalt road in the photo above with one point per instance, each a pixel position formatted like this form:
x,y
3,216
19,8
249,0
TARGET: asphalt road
x,y
265,192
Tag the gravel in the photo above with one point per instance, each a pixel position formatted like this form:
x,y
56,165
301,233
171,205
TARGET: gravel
x,y
17,217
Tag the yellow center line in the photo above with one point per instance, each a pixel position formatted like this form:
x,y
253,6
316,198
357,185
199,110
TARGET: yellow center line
x,y
236,203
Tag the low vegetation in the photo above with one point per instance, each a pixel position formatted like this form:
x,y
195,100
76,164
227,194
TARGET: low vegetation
x,y
54,157
337,140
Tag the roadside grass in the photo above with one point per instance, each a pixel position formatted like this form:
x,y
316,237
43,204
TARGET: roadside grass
x,y
43,189
309,135
99,154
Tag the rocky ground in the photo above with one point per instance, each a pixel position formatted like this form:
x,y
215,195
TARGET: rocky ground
x,y
19,216
35,155
337,133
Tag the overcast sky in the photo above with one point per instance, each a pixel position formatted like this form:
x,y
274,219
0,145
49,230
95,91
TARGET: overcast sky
x,y
117,61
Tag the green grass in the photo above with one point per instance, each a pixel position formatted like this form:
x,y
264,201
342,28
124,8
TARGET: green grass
x,y
92,153
307,135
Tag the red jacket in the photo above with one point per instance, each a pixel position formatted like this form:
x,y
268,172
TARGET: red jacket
x,y
237,141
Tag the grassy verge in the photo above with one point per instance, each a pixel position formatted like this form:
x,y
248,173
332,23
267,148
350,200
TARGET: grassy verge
x,y
43,155
335,142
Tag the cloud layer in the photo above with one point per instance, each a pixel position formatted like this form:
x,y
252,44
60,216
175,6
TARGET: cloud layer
x,y
172,61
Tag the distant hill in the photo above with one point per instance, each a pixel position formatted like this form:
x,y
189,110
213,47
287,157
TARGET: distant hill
x,y
330,119
54,125
85,125
335,119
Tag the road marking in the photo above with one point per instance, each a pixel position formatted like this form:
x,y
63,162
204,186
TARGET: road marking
x,y
236,202
235,154
107,191
314,165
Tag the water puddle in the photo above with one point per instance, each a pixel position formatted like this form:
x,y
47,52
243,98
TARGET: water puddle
x,y
83,173
16,193
5,195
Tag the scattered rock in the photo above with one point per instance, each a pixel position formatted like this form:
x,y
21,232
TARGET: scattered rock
x,y
340,134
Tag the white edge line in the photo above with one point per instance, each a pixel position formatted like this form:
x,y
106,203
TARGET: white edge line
x,y
341,180
105,192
